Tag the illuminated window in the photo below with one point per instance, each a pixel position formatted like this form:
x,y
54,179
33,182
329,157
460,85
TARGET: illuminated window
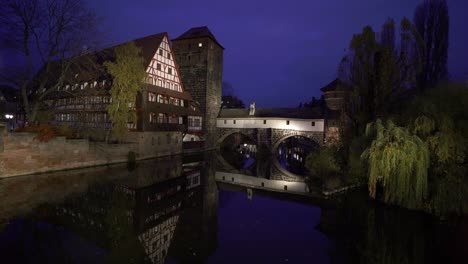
x,y
162,118
160,99
200,45
151,97
152,118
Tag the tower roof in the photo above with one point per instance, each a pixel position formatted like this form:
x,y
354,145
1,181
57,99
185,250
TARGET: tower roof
x,y
335,85
198,32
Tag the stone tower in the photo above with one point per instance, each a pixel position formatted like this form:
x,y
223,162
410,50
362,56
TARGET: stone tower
x,y
200,59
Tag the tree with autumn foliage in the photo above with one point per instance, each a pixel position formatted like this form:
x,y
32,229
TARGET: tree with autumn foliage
x,y
128,73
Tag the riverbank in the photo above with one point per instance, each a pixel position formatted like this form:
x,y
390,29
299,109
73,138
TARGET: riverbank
x,y
23,154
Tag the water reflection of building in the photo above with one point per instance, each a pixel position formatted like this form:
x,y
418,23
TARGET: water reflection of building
x,y
147,203
196,235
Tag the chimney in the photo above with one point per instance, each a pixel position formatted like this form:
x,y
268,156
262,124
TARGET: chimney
x,y
252,109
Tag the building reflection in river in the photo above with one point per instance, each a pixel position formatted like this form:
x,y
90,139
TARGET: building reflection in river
x,y
134,217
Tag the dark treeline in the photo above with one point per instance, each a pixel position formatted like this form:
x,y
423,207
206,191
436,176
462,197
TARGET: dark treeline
x,y
406,128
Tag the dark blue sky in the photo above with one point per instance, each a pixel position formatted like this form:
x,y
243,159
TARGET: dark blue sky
x,y
278,53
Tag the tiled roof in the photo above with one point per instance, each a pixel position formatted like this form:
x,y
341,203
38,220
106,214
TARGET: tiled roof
x,y
305,113
198,32
90,66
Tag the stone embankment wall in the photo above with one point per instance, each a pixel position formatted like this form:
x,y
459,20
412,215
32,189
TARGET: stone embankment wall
x,y
22,154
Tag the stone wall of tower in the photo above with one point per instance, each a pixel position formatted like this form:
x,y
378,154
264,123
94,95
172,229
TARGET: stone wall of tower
x,y
201,69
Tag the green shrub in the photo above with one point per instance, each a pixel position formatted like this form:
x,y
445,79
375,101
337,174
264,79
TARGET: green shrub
x,y
322,163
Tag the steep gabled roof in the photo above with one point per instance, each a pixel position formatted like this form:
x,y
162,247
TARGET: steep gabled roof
x,y
198,32
149,45
90,66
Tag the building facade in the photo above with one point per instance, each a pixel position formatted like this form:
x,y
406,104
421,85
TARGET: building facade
x,y
161,105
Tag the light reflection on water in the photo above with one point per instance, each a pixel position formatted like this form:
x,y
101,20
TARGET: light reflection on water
x,y
171,210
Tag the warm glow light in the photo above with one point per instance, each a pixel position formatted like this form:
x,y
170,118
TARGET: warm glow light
x,y
7,116
200,44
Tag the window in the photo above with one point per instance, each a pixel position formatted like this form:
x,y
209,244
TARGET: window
x,y
162,119
287,122
151,97
225,121
169,55
181,102
173,119
264,122
234,122
176,87
160,99
158,66
152,118
313,123
160,52
181,120
169,70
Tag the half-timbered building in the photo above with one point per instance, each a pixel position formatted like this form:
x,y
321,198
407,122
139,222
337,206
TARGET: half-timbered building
x,y
161,105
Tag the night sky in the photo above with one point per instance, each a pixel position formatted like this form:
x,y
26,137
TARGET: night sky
x,y
277,53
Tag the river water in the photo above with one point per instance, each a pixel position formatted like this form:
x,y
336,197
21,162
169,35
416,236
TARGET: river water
x,y
172,210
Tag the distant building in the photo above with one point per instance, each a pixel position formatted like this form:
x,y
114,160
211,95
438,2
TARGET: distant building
x,y
336,96
231,101
10,107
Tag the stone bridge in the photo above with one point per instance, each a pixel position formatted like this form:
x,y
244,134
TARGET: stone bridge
x,y
270,127
271,137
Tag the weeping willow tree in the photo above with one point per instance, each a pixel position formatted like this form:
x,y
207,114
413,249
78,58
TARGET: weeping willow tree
x,y
128,73
440,118
398,161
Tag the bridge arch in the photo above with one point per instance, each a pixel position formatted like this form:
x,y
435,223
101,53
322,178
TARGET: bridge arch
x,y
228,132
316,138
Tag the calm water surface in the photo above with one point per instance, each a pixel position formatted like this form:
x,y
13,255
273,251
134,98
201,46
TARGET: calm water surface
x,y
172,211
